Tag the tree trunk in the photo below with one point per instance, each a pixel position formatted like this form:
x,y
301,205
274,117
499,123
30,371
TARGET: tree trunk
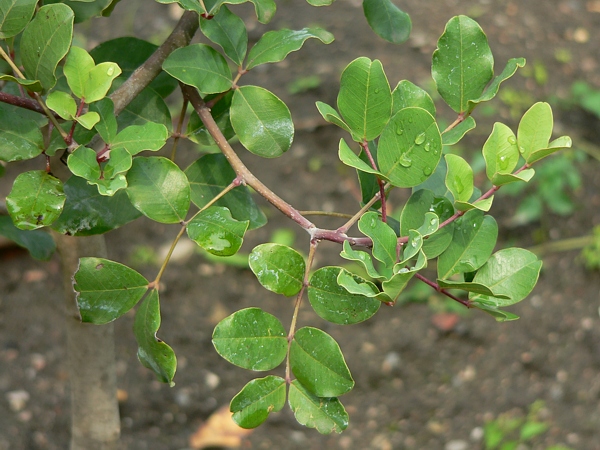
x,y
95,423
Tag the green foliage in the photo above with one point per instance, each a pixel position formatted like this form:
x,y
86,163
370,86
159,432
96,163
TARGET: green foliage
x,y
393,142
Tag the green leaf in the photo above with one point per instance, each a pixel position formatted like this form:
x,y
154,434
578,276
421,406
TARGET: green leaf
x,y
45,41
274,46
501,179
332,116
500,151
361,257
14,16
265,9
148,106
535,129
476,288
408,95
410,147
512,272
107,126
463,64
30,85
531,429
153,352
324,414
130,53
261,396
88,81
85,10
252,339
228,31
492,89
36,200
554,146
197,132
320,2
387,20
278,268
262,122
384,238
397,283
201,66
137,138
454,135
216,231
317,362
459,178
348,157
39,243
62,104
498,314
418,205
88,120
20,137
209,175
472,243
365,99
334,303
357,285
86,212
106,289
158,189
83,163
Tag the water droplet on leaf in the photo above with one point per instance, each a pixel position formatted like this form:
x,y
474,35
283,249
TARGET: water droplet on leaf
x,y
399,131
433,221
427,171
405,161
503,162
521,149
110,71
427,146
512,140
420,139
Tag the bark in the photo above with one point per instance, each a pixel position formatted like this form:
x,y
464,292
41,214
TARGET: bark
x,y
95,423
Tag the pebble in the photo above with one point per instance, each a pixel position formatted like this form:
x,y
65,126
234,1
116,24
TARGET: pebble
x,y
456,445
17,399
212,380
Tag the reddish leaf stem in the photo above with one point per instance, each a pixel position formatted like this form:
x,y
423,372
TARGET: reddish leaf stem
x,y
436,286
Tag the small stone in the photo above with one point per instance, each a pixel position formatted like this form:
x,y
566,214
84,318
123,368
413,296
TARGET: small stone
x,y
392,361
456,445
581,35
17,399
38,361
476,434
212,380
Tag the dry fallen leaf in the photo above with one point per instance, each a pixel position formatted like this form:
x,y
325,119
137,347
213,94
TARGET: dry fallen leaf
x,y
219,431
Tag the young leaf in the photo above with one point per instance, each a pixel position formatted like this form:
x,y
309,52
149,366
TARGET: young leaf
x,y
554,146
387,20
62,104
361,257
454,135
334,303
365,99
20,137
408,95
332,116
153,352
86,212
30,85
83,163
88,120
492,89
397,283
262,122
384,238
410,147
324,414
217,232
512,272
106,289
274,46
229,31
45,41
88,81
252,339
463,63
36,200
107,126
535,129
459,178
137,138
501,179
39,243
253,404
473,242
14,16
209,175
318,363
348,157
500,151
201,66
278,268
476,288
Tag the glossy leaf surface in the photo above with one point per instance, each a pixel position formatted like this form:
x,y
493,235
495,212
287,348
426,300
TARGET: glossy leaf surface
x,y
324,414
408,94
387,20
459,178
261,396
20,137
137,138
39,243
384,238
106,289
278,268
252,339
153,352
229,31
492,89
535,129
216,231
88,81
318,363
14,16
500,151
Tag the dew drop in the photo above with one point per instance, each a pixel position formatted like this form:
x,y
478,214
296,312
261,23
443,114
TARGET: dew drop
x,y
521,149
405,161
427,171
433,221
420,139
458,184
110,71
377,90
403,270
399,131
410,120
503,162
512,140
427,146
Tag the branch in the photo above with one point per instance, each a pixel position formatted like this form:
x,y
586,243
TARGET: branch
x,y
180,37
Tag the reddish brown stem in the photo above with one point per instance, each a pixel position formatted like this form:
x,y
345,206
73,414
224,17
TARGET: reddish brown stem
x,y
436,286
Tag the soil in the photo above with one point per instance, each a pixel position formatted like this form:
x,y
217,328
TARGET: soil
x,y
420,383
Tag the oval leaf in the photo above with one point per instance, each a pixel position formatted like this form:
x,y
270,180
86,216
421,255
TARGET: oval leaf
x,y
20,138
45,41
387,20
36,200
201,66
137,138
216,231
459,178
535,129
152,352
318,363
463,64
274,46
383,237
261,396
14,16
252,339
39,243
262,122
365,98
158,189
408,94
229,31
324,414
410,147
500,151
106,289
278,268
